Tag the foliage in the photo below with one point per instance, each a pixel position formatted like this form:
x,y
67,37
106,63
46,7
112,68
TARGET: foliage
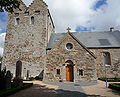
x,y
13,90
31,78
0,58
8,5
110,79
2,79
115,86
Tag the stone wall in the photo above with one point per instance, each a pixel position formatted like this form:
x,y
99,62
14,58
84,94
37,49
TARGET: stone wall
x,y
57,56
27,42
113,70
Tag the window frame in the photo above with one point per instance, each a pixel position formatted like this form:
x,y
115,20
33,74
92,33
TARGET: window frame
x,y
108,63
32,21
80,72
17,21
71,48
58,71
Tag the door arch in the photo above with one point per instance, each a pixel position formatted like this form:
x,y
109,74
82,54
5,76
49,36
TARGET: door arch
x,y
69,71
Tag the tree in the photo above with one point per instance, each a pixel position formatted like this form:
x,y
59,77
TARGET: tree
x,y
8,5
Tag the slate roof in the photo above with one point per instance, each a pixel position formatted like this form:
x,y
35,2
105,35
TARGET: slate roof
x,y
102,39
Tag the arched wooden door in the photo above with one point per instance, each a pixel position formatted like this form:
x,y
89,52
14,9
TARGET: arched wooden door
x,y
69,73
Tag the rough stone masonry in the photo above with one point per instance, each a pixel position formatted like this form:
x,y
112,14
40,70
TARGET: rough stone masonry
x,y
26,41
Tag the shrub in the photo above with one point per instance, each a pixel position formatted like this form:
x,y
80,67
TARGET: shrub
x,y
115,86
109,79
31,78
2,79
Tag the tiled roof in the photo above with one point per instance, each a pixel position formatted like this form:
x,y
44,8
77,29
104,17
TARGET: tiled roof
x,y
101,39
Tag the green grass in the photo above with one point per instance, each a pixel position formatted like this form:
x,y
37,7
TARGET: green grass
x,y
115,86
5,93
109,79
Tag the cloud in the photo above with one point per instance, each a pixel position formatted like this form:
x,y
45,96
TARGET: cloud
x,y
107,16
69,12
2,39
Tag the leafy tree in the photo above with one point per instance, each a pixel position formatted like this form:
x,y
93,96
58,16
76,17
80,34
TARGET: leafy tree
x,y
8,5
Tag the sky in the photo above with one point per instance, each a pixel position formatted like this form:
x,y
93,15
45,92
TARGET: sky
x,y
79,15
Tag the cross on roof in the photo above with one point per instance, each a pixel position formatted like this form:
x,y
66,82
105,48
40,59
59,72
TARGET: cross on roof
x,y
68,29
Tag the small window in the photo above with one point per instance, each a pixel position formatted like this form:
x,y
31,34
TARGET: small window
x,y
32,20
58,71
16,14
69,46
81,72
37,12
107,58
17,21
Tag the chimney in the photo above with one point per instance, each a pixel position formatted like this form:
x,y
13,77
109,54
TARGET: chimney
x,y
112,29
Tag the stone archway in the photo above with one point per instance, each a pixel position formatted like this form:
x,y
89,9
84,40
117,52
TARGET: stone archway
x,y
69,71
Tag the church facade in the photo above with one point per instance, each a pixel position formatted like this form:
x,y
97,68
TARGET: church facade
x,y
70,56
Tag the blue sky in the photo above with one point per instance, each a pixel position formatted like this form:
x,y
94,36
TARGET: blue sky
x,y
97,5
3,21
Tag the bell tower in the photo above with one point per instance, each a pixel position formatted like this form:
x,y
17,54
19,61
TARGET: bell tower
x,y
28,32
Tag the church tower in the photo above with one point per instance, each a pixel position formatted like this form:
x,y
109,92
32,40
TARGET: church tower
x,y
28,32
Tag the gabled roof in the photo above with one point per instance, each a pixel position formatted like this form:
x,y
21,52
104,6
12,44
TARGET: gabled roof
x,y
101,39
82,45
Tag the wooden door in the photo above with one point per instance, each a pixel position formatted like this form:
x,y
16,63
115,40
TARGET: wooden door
x,y
69,73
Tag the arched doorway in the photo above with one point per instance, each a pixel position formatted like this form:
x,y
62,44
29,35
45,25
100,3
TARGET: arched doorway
x,y
69,71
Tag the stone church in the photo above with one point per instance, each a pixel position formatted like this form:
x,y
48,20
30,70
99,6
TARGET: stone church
x,y
70,56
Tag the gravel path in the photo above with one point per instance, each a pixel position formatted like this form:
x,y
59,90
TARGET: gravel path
x,y
71,89
39,89
100,89
60,89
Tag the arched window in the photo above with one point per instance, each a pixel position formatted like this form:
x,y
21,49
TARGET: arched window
x,y
32,20
17,21
107,58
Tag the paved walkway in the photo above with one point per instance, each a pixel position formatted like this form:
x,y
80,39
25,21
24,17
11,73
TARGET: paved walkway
x,y
100,89
59,89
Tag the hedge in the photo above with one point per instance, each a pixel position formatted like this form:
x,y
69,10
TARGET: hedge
x,y
115,86
5,93
109,79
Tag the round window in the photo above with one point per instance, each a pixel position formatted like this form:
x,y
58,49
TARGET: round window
x,y
69,46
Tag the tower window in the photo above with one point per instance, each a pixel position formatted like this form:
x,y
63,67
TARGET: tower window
x,y
37,12
107,58
81,72
17,21
32,20
58,71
